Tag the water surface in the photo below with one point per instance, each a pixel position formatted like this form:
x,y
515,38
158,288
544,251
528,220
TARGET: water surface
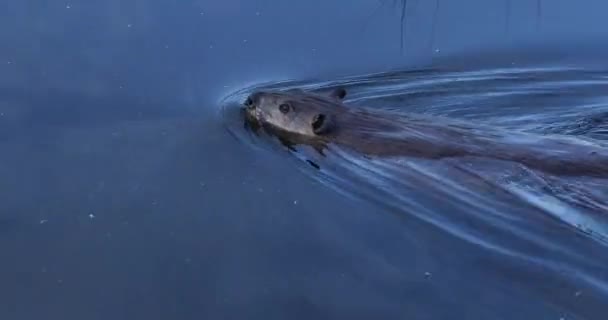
x,y
128,193
556,223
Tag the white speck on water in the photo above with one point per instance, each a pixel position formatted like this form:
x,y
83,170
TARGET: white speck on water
x,y
68,6
202,184
1,114
295,202
437,50
43,221
129,25
427,274
9,62
578,294
210,46
244,40
202,13
257,13
91,216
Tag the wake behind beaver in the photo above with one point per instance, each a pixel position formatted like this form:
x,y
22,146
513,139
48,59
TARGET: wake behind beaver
x,y
299,117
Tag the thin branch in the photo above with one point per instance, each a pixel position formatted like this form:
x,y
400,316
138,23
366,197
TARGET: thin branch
x,y
403,24
434,23
539,13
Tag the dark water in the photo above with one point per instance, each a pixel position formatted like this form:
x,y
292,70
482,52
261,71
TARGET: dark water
x,y
129,188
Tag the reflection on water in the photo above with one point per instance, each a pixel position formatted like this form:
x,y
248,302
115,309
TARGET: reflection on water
x,y
404,9
500,206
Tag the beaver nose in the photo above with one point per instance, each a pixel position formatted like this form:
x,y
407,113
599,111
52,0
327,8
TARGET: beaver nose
x,y
250,102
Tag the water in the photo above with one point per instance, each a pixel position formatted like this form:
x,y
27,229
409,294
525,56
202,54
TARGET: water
x,y
520,215
130,188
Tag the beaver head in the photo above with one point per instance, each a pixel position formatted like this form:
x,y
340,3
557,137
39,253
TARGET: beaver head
x,y
295,111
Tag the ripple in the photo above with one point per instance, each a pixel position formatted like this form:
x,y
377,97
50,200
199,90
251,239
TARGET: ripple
x,y
500,206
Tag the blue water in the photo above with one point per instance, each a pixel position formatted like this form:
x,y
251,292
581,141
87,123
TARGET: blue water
x,y
131,190
522,216
525,220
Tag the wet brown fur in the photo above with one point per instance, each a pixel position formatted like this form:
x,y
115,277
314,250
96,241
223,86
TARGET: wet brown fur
x,y
384,133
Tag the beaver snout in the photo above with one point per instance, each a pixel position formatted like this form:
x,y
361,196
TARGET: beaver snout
x,y
252,101
249,103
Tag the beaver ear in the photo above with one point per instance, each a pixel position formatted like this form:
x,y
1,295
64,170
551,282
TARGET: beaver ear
x,y
321,123
338,93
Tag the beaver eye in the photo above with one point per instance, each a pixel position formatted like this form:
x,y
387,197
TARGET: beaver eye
x,y
284,108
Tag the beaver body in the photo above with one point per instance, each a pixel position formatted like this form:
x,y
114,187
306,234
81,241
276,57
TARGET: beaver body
x,y
299,117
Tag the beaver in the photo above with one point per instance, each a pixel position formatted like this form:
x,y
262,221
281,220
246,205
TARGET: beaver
x,y
301,117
